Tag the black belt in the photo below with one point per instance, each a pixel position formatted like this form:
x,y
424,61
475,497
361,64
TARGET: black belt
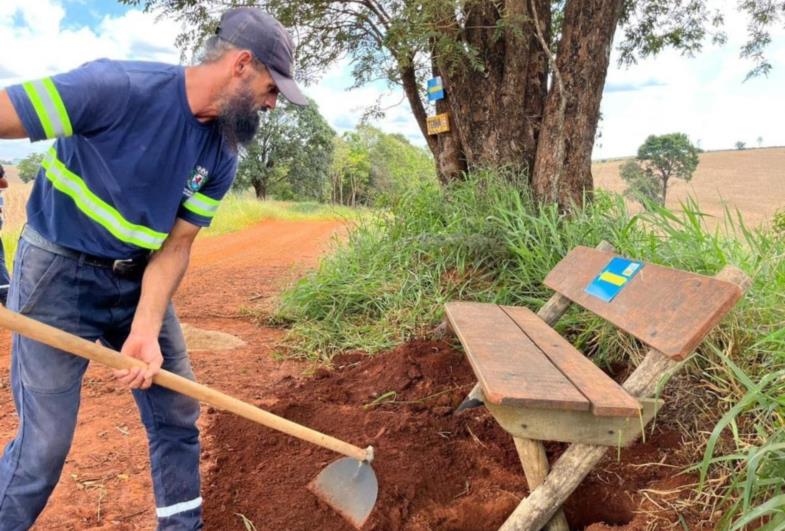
x,y
132,268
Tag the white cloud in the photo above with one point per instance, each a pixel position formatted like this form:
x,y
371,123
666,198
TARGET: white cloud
x,y
704,96
344,108
40,42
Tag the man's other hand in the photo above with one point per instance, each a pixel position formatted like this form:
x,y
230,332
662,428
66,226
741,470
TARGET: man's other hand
x,y
147,349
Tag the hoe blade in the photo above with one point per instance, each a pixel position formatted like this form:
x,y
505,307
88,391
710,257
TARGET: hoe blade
x,y
349,487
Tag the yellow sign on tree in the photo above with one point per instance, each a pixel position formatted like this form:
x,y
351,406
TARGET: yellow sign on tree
x,y
438,124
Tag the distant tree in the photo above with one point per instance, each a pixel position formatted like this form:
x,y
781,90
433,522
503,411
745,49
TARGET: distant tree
x,y
290,156
371,167
396,165
741,145
642,187
760,141
28,166
661,158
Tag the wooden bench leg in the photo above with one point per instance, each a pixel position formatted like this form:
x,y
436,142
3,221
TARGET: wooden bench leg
x,y
535,466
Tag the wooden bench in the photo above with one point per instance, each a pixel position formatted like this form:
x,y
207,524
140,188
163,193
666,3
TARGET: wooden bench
x,y
539,387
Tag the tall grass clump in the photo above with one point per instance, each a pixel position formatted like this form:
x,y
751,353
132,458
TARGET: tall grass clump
x,y
484,240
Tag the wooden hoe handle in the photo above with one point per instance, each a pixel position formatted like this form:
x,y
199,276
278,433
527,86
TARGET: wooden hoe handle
x,y
56,338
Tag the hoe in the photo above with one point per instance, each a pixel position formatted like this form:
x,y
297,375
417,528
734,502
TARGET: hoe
x,y
348,485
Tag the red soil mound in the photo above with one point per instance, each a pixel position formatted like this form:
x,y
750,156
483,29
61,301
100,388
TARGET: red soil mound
x,y
435,470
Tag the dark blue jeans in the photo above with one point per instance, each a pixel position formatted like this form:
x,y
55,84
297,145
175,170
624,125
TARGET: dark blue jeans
x,y
4,280
93,303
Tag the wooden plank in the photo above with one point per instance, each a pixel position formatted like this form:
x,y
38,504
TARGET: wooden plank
x,y
573,426
550,312
669,310
510,368
606,396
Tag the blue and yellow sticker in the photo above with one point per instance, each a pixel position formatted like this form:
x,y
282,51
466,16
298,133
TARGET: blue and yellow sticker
x,y
613,278
435,89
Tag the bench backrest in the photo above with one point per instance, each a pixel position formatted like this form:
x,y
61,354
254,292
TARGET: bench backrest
x,y
668,309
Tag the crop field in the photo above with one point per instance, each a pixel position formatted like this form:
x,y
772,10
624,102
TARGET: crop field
x,y
750,180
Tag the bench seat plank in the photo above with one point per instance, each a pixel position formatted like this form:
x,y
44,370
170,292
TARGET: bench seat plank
x,y
510,368
606,396
667,309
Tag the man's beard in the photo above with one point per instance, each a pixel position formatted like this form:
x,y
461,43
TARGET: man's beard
x,y
238,119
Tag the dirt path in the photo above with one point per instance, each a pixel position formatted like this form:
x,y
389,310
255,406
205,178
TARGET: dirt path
x,y
106,482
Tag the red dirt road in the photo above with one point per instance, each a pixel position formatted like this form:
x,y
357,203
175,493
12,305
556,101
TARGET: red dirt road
x,y
106,481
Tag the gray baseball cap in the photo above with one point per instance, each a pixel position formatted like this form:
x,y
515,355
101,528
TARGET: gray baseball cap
x,y
253,29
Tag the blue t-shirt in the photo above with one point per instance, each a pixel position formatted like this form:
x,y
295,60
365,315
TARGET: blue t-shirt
x,y
130,157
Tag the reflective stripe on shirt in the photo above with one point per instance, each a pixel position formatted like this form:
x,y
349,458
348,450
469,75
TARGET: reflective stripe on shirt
x,y
202,204
49,107
97,209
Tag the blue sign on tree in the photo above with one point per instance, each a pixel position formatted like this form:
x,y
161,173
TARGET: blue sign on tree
x,y
435,89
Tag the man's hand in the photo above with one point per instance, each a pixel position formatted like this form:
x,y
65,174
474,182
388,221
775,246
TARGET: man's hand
x,y
167,266
144,348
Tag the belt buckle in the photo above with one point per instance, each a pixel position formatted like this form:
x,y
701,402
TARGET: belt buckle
x,y
128,268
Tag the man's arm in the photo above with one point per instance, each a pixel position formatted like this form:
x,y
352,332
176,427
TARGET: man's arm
x,y
10,124
161,278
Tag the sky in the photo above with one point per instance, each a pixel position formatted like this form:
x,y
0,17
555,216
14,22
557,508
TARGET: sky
x,y
705,96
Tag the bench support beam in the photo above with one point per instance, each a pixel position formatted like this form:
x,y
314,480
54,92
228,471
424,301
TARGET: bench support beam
x,y
535,467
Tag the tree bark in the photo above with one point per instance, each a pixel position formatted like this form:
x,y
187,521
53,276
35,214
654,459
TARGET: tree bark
x,y
495,112
562,168
446,148
664,190
260,187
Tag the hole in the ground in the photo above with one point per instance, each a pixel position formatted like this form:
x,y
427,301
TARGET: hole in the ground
x,y
595,503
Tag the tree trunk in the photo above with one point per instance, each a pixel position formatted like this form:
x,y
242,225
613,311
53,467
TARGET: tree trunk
x,y
664,190
446,148
562,169
260,187
494,112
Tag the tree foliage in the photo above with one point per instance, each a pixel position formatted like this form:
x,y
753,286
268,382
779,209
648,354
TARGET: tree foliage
x,y
660,159
371,167
28,166
290,156
641,187
523,78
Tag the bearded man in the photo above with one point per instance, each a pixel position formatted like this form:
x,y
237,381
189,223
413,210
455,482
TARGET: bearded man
x,y
144,154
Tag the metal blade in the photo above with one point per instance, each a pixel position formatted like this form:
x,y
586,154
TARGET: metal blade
x,y
349,487
475,398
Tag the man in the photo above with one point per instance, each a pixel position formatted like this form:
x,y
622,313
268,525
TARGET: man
x,y
4,280
144,154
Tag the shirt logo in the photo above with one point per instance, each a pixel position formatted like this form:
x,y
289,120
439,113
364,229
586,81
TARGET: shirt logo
x,y
196,180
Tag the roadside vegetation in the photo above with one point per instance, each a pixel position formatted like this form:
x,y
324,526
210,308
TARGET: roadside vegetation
x,y
239,210
484,240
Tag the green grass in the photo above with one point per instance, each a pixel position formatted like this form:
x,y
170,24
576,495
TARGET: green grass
x,y
483,241
240,210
